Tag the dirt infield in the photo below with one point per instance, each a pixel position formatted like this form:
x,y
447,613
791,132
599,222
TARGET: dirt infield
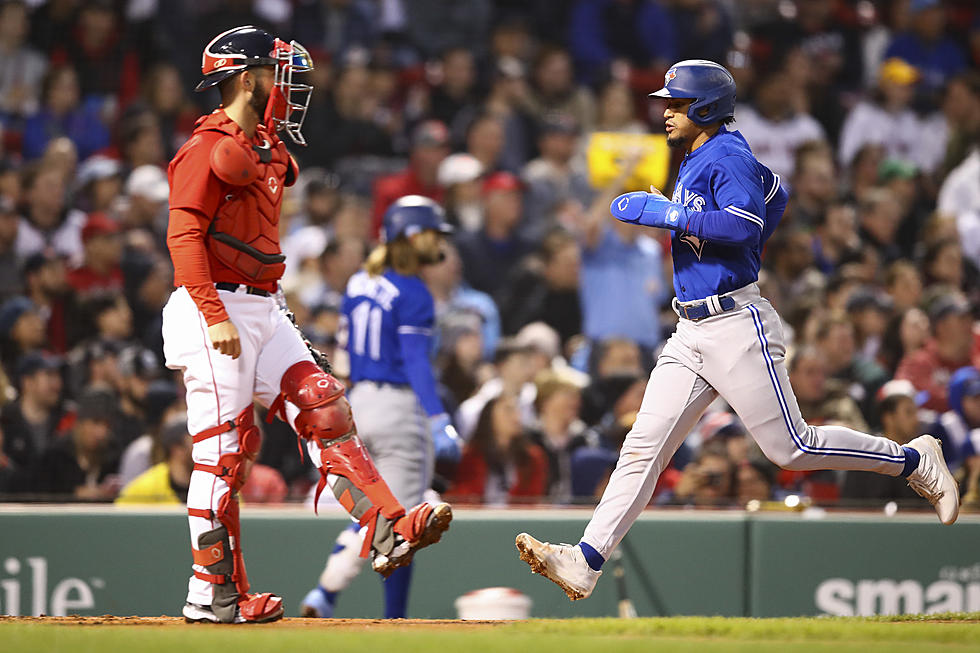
x,y
289,622
374,624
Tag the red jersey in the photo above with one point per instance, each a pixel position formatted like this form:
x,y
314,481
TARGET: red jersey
x,y
203,205
87,281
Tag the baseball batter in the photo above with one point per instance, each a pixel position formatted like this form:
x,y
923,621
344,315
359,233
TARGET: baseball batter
x,y
227,334
390,316
729,340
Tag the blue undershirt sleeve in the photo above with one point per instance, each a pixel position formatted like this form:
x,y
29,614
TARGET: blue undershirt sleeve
x,y
736,187
723,227
418,368
415,314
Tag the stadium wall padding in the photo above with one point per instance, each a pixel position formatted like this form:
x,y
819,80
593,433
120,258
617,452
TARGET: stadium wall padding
x,y
105,560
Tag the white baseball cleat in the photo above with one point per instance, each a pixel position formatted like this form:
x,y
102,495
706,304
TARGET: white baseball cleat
x,y
932,480
562,563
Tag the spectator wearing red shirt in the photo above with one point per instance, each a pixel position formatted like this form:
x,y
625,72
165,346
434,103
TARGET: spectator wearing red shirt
x,y
949,349
430,145
100,271
500,463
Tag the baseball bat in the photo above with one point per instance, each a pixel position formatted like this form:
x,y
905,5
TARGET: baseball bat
x,y
625,606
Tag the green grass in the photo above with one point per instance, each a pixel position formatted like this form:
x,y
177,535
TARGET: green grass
x,y
893,634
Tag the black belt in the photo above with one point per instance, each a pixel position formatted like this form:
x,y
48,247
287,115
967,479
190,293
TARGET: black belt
x,y
700,310
232,287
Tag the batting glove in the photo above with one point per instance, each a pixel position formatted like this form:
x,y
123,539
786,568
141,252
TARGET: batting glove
x,y
649,209
444,438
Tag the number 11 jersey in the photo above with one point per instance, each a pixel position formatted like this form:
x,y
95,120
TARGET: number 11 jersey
x,y
378,310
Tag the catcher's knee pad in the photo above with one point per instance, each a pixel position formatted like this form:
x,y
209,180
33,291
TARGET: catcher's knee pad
x,y
233,466
324,413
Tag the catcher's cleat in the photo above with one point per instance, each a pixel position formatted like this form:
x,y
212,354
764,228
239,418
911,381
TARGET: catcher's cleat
x,y
252,608
421,526
563,564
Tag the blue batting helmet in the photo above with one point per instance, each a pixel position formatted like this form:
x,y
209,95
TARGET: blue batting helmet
x,y
710,86
412,214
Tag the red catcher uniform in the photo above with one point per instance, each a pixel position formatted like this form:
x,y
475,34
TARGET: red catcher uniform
x,y
225,195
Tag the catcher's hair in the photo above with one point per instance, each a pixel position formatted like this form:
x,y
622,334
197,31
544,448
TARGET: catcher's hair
x,y
399,255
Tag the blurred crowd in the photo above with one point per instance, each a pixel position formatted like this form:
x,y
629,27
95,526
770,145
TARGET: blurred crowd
x,y
550,313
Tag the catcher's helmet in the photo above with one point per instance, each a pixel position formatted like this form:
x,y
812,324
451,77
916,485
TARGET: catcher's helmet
x,y
233,51
413,214
709,84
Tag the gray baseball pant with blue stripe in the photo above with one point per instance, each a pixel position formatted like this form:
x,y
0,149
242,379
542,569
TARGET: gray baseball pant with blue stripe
x,y
740,356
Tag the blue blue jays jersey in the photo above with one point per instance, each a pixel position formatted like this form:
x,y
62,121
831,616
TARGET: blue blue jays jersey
x,y
723,177
378,310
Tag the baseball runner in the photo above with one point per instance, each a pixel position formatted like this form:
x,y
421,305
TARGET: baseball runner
x,y
224,330
390,316
729,340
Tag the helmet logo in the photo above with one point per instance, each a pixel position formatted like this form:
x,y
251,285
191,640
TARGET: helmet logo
x,y
273,185
671,74
220,62
623,203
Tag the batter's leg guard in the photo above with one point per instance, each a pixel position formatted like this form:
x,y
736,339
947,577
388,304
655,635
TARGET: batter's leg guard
x,y
325,418
220,549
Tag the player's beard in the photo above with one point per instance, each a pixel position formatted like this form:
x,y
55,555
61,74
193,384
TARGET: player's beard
x,y
676,141
258,101
432,257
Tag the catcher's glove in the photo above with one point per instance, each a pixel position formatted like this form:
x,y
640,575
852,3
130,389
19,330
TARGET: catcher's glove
x,y
319,357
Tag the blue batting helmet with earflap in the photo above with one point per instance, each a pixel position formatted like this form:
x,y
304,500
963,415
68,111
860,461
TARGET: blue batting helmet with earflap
x,y
709,84
413,214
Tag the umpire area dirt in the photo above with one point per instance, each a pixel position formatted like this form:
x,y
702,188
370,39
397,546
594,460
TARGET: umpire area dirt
x,y
345,624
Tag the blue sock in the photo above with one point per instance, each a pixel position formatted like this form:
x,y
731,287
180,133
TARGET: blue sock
x,y
331,597
591,556
396,592
911,461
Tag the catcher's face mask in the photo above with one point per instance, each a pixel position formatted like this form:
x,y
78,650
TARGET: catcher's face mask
x,y
289,100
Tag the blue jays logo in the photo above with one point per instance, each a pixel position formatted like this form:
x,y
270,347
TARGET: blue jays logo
x,y
623,203
671,74
694,202
696,243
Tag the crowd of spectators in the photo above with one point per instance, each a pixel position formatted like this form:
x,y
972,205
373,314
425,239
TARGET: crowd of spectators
x,y
550,313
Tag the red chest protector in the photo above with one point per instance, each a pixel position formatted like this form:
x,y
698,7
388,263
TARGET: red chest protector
x,y
244,233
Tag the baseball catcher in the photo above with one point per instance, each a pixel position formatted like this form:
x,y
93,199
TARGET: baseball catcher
x,y
224,330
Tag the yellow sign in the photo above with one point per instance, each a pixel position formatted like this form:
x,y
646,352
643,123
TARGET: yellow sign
x,y
608,152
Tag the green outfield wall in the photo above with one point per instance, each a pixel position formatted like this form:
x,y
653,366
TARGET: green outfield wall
x,y
94,561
